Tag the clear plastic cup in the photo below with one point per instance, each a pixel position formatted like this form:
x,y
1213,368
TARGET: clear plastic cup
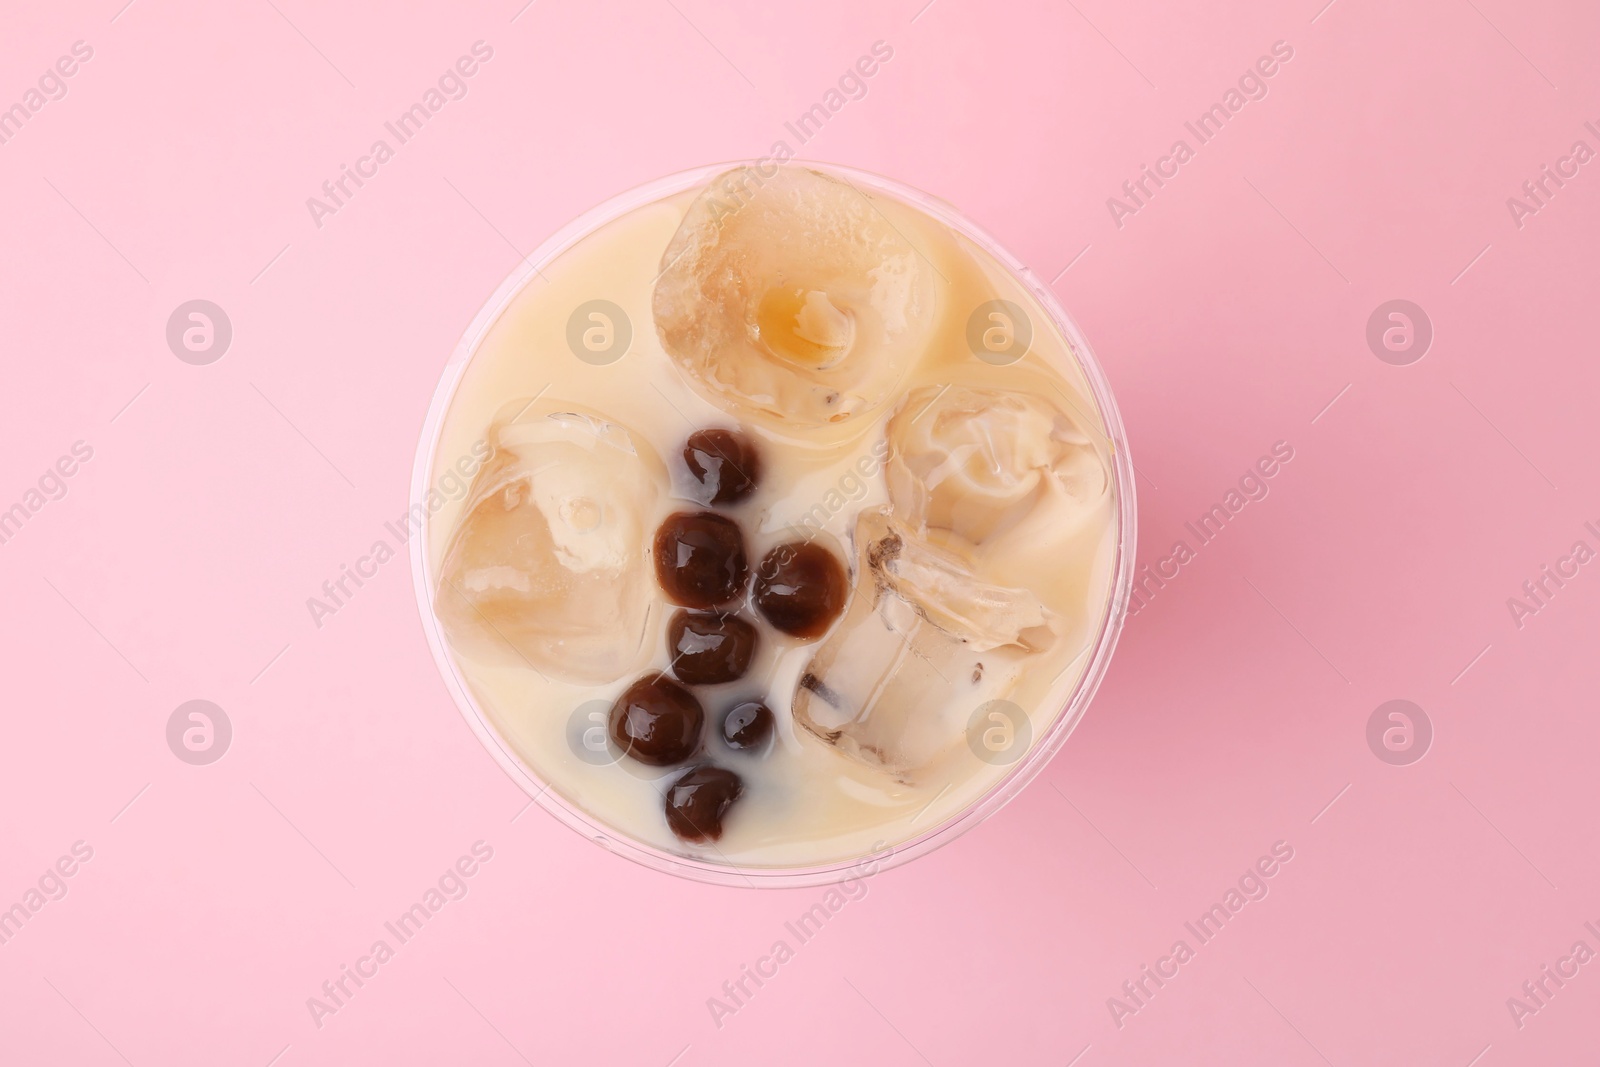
x,y
1044,746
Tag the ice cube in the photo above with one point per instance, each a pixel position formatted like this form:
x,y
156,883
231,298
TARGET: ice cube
x,y
991,468
789,299
924,644
547,565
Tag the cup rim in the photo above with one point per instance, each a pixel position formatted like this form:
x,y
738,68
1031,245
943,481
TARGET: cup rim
x,y
882,856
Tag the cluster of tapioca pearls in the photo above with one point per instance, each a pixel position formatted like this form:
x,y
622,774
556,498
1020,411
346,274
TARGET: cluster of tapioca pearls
x,y
799,589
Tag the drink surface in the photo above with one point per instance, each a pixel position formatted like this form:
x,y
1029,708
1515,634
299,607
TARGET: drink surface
x,y
581,337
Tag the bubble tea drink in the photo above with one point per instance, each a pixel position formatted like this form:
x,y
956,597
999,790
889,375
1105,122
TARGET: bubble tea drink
x,y
793,524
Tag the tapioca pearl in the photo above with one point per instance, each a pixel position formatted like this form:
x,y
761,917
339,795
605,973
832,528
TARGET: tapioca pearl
x,y
657,721
748,725
699,800
709,648
700,559
725,464
801,588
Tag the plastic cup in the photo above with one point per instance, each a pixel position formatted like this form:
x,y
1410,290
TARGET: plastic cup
x,y
891,854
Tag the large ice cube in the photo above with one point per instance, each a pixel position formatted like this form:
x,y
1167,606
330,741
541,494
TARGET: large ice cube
x,y
923,645
547,565
789,298
1004,471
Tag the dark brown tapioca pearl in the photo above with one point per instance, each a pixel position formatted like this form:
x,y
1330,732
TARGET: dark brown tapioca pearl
x,y
697,802
657,721
708,649
747,726
725,463
700,560
801,588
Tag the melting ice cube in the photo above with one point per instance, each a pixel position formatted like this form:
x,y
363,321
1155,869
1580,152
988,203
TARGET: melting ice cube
x,y
547,565
790,299
1004,470
923,645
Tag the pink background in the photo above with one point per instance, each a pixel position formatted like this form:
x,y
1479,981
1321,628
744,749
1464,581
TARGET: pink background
x,y
1229,312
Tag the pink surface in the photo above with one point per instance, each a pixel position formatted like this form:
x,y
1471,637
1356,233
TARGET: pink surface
x,y
1231,312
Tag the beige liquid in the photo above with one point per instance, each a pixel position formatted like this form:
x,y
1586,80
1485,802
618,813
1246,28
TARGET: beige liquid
x,y
804,803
